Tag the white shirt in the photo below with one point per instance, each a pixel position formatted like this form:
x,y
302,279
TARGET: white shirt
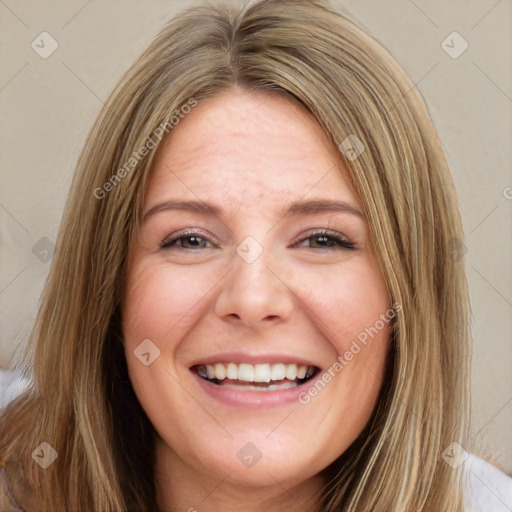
x,y
488,488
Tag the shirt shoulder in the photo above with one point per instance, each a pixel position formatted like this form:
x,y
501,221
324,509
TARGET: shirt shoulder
x,y
488,488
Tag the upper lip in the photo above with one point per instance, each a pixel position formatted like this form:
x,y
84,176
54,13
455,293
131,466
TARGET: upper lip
x,y
254,358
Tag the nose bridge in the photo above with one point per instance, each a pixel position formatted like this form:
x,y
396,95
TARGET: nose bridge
x,y
252,292
251,276
252,267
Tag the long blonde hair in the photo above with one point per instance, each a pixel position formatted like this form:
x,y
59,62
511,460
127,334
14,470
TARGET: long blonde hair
x,y
81,401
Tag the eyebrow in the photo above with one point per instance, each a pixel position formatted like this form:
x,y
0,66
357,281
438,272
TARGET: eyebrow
x,y
295,208
322,205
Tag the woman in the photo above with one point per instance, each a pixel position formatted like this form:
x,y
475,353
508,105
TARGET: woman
x,y
253,300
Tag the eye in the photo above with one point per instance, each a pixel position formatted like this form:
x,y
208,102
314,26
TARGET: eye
x,y
187,240
326,239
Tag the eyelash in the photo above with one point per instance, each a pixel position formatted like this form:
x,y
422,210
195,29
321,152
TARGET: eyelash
x,y
339,241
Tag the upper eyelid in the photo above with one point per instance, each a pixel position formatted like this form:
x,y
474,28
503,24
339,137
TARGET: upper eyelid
x,y
324,231
188,233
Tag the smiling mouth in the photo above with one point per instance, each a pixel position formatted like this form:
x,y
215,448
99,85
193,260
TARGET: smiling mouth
x,y
256,377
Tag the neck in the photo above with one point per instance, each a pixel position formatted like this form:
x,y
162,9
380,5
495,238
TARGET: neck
x,y
181,487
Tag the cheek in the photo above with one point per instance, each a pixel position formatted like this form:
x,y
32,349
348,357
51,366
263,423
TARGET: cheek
x,y
162,303
160,299
349,304
353,310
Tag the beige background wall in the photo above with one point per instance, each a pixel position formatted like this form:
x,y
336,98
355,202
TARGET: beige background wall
x,y
48,105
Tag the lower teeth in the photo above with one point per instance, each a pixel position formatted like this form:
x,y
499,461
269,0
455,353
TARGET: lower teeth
x,y
257,386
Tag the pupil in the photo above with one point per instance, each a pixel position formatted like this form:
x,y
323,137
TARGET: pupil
x,y
323,240
194,240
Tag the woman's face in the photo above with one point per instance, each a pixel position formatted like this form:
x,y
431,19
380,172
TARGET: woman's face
x,y
252,270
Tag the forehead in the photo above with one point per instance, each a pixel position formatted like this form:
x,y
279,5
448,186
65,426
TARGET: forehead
x,y
241,147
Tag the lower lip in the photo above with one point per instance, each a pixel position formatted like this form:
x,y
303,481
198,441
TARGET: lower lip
x,y
251,398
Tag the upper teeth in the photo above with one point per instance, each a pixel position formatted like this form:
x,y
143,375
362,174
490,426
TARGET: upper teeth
x,y
255,372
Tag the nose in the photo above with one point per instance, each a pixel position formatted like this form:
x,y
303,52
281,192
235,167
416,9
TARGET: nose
x,y
254,294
